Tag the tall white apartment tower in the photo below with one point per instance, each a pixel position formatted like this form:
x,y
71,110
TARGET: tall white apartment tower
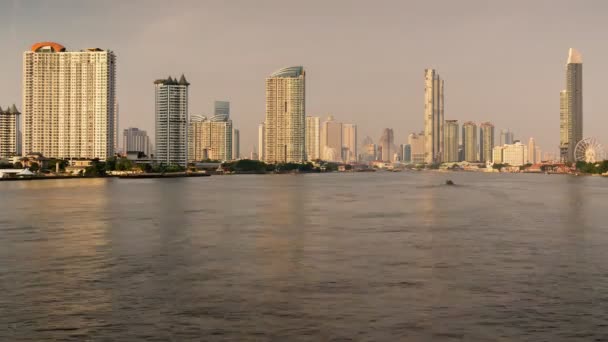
x,y
433,116
69,102
571,107
313,138
285,125
171,103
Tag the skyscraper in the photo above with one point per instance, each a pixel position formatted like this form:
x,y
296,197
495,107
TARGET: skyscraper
x,y
313,138
532,151
236,144
451,141
469,140
261,141
331,140
387,143
571,107
349,143
486,141
9,125
69,102
136,140
285,124
368,150
506,137
417,147
171,107
221,110
433,116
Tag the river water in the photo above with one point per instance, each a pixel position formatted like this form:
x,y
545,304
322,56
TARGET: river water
x,y
319,257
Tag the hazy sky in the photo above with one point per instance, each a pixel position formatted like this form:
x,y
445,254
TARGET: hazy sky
x,y
502,61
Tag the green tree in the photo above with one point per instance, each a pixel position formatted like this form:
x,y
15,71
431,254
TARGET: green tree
x,y
34,167
18,165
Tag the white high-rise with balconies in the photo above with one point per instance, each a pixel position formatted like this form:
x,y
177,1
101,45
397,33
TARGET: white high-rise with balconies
x,y
171,99
285,124
69,102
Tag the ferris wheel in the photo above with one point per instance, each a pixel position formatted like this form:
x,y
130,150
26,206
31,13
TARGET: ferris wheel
x,y
589,150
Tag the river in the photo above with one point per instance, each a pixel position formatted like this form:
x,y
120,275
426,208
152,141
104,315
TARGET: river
x,y
317,257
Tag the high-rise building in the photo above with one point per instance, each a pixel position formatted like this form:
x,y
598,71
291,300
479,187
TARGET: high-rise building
x,y
349,143
9,127
486,141
221,110
136,140
418,147
236,144
532,152
407,153
69,102
331,140
433,117
451,141
171,107
210,138
506,137
313,138
387,143
261,140
469,141
285,124
571,107
368,150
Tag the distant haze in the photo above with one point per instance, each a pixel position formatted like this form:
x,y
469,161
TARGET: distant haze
x,y
502,61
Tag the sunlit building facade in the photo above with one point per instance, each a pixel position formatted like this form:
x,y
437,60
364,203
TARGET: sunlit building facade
x,y
451,141
571,107
313,138
433,117
285,124
469,141
171,107
486,141
417,147
69,102
349,143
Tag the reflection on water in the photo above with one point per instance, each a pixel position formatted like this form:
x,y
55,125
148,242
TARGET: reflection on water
x,y
383,257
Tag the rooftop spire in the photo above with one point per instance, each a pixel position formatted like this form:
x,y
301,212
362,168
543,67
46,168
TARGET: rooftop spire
x,y
574,56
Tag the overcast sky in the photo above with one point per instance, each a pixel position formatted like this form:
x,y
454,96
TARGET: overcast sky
x,y
502,61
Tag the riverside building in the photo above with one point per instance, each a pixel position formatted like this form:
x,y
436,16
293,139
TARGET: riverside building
x,y
9,128
171,107
285,124
69,102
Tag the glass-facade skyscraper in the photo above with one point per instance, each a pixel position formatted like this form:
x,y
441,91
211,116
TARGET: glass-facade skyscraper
x,y
571,107
433,117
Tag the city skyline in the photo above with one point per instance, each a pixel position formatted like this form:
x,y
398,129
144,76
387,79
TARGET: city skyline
x,y
396,104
